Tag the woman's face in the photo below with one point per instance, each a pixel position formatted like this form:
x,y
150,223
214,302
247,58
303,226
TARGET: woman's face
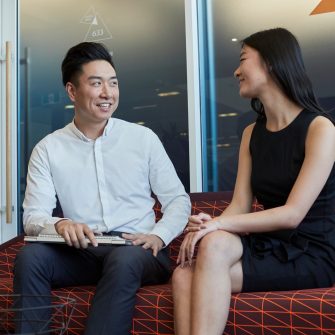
x,y
252,73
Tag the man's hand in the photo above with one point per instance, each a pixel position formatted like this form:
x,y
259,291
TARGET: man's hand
x,y
75,233
148,241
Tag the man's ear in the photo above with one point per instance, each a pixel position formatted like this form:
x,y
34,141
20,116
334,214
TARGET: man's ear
x,y
71,91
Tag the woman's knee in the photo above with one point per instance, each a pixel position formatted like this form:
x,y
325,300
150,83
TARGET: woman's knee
x,y
221,245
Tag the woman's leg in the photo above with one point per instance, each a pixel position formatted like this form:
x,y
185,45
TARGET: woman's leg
x,y
181,290
218,273
202,292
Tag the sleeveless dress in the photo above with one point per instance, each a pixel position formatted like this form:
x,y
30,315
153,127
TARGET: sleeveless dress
x,y
288,259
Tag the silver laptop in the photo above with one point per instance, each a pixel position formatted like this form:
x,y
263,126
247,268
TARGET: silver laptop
x,y
102,240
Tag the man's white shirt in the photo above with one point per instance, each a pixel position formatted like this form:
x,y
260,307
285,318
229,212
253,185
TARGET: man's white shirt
x,y
106,183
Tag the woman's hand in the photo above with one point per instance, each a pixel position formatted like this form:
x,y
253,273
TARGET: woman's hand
x,y
197,222
196,233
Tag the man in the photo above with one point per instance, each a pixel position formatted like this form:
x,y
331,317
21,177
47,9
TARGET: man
x,y
103,171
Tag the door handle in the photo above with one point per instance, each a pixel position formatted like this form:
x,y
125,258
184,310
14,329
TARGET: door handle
x,y
8,134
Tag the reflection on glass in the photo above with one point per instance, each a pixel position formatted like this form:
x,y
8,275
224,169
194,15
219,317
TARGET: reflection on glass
x,y
230,22
147,40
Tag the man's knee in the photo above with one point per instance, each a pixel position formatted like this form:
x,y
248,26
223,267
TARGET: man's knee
x,y
34,260
137,264
29,255
130,257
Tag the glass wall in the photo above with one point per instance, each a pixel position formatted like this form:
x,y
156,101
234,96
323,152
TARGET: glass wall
x,y
147,40
225,114
8,120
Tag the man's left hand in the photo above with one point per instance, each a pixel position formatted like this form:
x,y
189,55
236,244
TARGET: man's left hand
x,y
148,241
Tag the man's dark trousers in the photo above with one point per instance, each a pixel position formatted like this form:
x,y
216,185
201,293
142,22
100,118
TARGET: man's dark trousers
x,y
118,272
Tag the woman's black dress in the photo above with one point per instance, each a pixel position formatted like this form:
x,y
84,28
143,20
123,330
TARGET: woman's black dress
x,y
288,259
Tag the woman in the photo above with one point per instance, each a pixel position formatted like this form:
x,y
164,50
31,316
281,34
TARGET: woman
x,y
286,161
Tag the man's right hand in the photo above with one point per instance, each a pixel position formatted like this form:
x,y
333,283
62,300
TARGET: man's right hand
x,y
75,233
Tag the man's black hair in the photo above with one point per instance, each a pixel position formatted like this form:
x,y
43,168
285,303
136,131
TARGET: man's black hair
x,y
81,54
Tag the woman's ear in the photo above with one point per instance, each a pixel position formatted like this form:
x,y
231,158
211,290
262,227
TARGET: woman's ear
x,y
71,91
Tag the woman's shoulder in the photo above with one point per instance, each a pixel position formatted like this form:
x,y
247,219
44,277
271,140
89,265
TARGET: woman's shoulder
x,y
308,122
249,129
248,132
317,117
321,124
321,132
322,121
247,135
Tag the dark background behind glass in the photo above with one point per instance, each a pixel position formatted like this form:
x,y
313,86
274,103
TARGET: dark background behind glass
x,y
238,19
147,41
149,49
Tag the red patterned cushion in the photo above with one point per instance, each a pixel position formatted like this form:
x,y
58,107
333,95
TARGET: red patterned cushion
x,y
305,312
308,312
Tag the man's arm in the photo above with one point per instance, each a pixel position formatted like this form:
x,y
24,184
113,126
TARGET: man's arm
x,y
40,196
40,200
176,206
170,192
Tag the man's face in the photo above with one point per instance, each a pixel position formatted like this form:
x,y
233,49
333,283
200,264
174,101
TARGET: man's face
x,y
96,93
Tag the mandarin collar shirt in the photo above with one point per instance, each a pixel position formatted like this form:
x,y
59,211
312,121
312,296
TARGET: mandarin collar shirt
x,y
105,183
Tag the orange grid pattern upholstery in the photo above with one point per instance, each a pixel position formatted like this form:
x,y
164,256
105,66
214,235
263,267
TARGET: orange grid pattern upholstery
x,y
304,312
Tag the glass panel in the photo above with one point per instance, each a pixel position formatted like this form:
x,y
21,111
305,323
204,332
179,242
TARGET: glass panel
x,y
8,119
225,113
147,39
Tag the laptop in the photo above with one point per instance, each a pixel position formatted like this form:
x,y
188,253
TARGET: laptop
x,y
102,240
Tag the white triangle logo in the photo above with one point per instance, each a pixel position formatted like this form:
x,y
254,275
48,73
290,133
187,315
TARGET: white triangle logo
x,y
97,31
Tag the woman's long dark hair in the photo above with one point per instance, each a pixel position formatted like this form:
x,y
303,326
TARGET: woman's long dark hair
x,y
281,51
